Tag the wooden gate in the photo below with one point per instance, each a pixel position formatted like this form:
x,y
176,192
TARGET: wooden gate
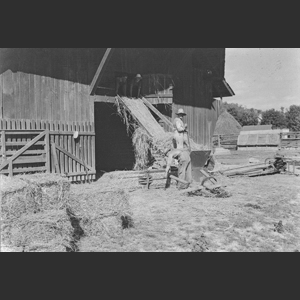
x,y
51,148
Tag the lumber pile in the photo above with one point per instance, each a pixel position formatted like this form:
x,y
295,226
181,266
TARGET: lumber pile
x,y
272,167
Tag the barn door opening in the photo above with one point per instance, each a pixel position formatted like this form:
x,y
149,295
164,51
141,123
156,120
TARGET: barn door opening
x,y
114,150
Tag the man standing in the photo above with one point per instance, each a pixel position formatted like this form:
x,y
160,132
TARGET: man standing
x,y
180,129
184,166
136,85
121,84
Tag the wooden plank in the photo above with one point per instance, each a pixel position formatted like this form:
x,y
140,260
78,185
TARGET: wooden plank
x,y
37,97
21,151
28,125
10,169
26,152
69,148
73,149
71,101
142,115
52,164
54,154
13,138
38,125
43,101
47,151
48,99
65,143
103,99
29,159
3,146
89,148
7,96
32,103
80,174
99,72
55,140
18,103
71,133
158,113
73,157
24,95
61,144
23,132
93,154
86,145
24,170
83,150
1,98
22,143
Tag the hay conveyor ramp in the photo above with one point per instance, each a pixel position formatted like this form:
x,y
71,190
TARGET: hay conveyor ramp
x,y
142,115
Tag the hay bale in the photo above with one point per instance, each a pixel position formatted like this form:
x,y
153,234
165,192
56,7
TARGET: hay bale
x,y
28,194
48,230
100,212
33,212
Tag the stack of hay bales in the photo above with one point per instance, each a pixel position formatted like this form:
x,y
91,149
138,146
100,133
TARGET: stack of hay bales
x,y
103,216
227,125
33,213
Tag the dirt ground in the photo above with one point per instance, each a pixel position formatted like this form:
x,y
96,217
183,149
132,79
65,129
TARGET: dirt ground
x,y
165,221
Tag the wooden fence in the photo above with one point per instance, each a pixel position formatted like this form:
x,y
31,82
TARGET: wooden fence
x,y
290,140
40,146
225,141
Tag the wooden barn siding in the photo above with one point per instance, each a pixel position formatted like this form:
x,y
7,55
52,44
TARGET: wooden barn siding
x,y
34,97
195,97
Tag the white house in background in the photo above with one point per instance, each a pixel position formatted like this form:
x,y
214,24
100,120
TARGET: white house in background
x,y
259,118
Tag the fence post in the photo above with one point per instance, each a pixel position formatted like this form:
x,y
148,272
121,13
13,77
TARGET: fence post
x,y
3,146
10,169
57,170
280,140
219,141
47,150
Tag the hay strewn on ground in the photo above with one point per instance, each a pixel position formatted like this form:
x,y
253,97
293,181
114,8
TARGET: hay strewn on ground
x,y
227,124
33,212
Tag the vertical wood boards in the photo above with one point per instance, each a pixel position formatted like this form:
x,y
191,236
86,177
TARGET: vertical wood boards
x,y
7,96
35,97
1,96
47,150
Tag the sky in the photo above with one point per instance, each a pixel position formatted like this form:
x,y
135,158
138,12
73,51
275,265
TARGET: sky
x,y
263,78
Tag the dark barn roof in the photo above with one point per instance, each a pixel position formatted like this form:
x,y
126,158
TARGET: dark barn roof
x,y
81,64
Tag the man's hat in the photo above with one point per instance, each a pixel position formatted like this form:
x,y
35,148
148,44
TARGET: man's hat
x,y
181,112
138,76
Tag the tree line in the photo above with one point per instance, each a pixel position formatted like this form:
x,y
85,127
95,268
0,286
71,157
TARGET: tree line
x,y
279,119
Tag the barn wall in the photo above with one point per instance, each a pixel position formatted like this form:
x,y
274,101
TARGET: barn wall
x,y
194,95
35,97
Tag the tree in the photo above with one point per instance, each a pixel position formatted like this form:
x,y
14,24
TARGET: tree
x,y
243,115
293,118
274,117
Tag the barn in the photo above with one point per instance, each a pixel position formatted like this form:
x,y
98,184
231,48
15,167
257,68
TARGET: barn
x,y
48,94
